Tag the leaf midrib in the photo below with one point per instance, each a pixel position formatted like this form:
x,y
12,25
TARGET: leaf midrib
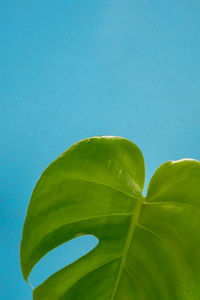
x,y
133,223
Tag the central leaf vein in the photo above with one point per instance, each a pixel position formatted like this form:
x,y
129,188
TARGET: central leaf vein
x,y
133,223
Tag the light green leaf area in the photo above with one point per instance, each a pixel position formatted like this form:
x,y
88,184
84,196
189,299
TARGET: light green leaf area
x,y
149,247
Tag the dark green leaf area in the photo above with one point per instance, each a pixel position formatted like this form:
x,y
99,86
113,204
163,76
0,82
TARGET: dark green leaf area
x,y
148,246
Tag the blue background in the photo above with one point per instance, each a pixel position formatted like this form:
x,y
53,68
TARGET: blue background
x,y
75,69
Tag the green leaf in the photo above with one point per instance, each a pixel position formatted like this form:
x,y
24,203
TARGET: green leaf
x,y
149,247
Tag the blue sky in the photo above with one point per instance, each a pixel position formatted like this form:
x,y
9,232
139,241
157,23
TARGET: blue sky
x,y
75,69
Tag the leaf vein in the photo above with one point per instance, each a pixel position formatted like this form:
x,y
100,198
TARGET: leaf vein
x,y
166,244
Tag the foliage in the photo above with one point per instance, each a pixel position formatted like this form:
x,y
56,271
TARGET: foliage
x,y
148,246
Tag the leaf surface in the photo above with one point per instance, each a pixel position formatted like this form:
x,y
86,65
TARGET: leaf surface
x,y
148,246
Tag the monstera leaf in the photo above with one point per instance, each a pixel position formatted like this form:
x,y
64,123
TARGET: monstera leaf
x,y
149,247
